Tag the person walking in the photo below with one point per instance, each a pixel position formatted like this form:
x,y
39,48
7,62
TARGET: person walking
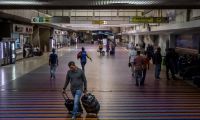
x,y
53,63
145,67
138,66
82,55
132,55
157,60
78,85
170,62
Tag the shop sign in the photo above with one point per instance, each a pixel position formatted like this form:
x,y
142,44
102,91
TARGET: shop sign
x,y
137,19
17,28
57,32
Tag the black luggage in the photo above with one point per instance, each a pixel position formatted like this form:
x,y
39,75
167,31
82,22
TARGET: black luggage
x,y
69,103
90,103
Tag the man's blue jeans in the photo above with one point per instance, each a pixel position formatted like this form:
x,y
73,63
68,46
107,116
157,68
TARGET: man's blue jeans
x,y
77,96
53,70
157,71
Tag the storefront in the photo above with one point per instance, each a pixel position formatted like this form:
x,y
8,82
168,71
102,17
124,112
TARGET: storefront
x,y
22,35
58,38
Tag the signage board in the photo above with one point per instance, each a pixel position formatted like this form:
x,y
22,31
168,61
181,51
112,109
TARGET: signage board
x,y
137,19
101,22
54,19
18,28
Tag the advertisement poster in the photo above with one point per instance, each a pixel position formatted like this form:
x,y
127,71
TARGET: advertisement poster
x,y
190,41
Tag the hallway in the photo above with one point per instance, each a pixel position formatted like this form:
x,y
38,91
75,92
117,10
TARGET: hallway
x,y
33,96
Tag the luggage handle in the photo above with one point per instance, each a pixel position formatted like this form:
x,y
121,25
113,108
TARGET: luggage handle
x,y
65,96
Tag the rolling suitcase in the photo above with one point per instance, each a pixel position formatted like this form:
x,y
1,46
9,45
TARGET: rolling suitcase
x,y
69,103
90,103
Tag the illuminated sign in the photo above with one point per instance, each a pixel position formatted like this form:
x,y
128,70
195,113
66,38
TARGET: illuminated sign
x,y
41,20
137,19
100,22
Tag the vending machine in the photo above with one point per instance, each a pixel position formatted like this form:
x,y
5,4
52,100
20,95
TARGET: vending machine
x,y
7,52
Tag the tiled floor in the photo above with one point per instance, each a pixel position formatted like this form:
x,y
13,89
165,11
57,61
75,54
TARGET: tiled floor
x,y
28,93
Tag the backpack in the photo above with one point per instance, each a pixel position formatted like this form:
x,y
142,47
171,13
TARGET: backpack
x,y
79,55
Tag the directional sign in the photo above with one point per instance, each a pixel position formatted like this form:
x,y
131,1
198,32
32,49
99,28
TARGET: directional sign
x,y
54,19
101,22
41,20
137,19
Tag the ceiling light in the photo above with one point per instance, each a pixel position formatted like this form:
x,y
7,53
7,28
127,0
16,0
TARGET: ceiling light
x,y
22,3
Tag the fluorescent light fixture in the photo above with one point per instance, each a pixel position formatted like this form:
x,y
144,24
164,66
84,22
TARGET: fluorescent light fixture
x,y
22,2
135,2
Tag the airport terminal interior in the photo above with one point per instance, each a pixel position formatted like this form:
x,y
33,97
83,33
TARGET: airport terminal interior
x,y
140,59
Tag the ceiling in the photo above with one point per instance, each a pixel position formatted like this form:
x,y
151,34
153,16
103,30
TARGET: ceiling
x,y
99,4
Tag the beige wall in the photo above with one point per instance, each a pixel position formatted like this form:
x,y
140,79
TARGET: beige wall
x,y
35,36
44,34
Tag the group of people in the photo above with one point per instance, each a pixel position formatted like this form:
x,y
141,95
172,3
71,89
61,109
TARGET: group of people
x,y
30,51
110,47
75,76
140,64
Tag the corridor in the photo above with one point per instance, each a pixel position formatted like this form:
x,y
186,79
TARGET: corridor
x,y
28,93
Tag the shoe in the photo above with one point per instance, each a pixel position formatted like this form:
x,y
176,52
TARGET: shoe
x,y
78,114
73,117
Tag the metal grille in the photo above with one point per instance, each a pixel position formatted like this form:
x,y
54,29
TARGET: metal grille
x,y
101,4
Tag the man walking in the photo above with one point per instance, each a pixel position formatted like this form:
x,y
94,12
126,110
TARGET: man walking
x,y
157,60
78,85
138,65
132,55
53,63
83,58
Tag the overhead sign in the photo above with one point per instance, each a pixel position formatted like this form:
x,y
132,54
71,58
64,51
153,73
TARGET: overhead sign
x,y
54,19
137,19
100,22
41,20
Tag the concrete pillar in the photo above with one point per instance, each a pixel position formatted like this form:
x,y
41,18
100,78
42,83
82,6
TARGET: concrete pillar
x,y
163,41
137,38
115,29
35,36
44,34
172,41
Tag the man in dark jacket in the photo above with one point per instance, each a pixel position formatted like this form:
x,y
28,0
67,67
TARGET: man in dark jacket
x,y
157,60
78,85
170,61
